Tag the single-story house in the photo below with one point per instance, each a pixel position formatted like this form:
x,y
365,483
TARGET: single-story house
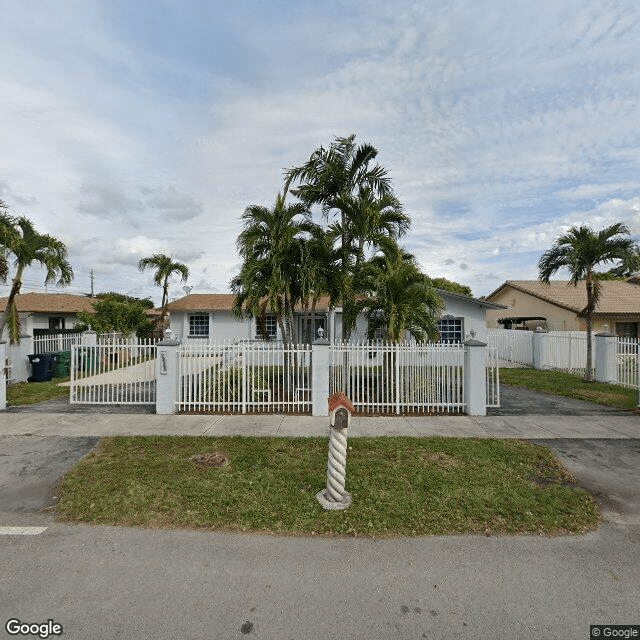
x,y
48,312
44,313
557,306
208,317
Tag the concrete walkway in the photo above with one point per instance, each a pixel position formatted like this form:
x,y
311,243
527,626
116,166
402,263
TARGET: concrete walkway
x,y
530,426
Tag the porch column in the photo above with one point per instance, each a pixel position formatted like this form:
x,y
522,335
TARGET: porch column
x,y
475,377
605,355
320,377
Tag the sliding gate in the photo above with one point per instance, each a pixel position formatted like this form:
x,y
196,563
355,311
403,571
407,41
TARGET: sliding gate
x,y
113,374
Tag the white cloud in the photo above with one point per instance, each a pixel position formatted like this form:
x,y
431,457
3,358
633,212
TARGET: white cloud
x,y
496,121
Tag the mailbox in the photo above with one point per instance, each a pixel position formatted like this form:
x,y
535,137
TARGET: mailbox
x,y
340,410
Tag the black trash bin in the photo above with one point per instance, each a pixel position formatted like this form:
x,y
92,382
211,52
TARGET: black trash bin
x,y
41,367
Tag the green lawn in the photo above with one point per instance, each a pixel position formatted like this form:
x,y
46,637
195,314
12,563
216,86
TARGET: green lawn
x,y
401,487
572,386
33,392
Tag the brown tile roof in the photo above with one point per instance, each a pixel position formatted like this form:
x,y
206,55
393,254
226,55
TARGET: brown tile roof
x,y
218,302
616,296
50,303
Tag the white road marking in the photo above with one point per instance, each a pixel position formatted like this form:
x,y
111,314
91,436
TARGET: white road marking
x,y
21,531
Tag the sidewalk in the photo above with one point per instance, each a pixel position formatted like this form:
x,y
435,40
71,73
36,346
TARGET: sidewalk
x,y
533,426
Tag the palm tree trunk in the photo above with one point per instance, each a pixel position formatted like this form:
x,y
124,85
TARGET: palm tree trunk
x,y
589,310
15,290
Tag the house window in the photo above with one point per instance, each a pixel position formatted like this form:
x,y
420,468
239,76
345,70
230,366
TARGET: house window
x,y
380,329
271,326
627,329
56,323
451,329
199,324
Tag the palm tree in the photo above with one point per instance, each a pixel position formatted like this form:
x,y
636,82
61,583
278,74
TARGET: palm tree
x,y
165,267
272,247
22,241
580,250
7,236
343,179
399,299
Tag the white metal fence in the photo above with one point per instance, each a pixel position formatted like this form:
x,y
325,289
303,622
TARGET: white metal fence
x,y
493,378
55,342
399,378
113,373
245,377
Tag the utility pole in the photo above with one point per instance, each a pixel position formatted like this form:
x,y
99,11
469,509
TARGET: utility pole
x,y
92,279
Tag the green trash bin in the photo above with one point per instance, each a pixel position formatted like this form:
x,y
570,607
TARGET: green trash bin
x,y
62,364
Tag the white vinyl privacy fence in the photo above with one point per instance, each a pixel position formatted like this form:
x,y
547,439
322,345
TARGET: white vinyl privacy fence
x,y
615,359
627,363
512,346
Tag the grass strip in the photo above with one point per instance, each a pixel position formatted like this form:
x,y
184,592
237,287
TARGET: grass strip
x,y
401,487
571,386
23,393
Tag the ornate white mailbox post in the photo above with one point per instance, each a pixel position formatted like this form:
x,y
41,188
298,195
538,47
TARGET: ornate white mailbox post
x,y
334,497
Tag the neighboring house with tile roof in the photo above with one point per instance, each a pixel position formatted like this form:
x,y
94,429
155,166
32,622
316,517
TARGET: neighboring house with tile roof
x,y
48,312
560,304
208,317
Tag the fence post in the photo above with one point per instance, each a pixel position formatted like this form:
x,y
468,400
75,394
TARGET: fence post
x,y
539,341
475,377
18,358
320,377
89,338
605,356
3,375
167,366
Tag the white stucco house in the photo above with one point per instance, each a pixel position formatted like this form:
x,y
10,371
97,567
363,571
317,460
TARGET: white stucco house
x,y
208,318
41,313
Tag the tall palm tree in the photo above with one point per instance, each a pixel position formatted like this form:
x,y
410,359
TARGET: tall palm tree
x,y
165,266
22,241
271,245
335,178
580,250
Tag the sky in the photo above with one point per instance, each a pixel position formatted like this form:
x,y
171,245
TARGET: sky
x,y
133,128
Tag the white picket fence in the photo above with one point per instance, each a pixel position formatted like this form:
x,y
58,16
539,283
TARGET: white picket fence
x,y
113,373
245,378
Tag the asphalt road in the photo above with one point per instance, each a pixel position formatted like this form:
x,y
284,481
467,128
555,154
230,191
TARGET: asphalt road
x,y
107,582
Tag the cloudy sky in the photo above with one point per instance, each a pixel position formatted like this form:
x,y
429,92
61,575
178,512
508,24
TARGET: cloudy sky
x,y
130,128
